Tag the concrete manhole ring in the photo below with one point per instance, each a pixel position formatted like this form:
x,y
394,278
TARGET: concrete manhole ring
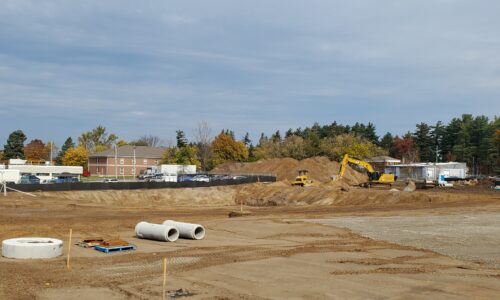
x,y
32,248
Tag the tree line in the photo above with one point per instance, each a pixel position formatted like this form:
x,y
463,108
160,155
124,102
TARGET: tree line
x,y
471,139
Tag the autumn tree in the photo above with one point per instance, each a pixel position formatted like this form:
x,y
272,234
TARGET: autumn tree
x,y
36,151
405,149
181,156
351,144
76,157
97,140
225,148
15,145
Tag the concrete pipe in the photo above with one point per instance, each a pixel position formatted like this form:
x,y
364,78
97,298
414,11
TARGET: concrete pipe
x,y
159,232
187,230
32,248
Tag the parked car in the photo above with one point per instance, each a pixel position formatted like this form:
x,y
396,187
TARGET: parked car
x,y
201,178
156,178
29,179
182,178
110,180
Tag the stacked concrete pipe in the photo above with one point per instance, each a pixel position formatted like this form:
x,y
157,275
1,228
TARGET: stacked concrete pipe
x,y
187,230
158,232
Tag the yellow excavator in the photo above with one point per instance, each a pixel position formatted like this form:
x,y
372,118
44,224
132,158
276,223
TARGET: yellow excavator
x,y
374,177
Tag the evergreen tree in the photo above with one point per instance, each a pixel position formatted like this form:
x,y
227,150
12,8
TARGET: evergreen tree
x,y
423,141
437,136
276,137
246,139
181,139
68,144
15,145
387,141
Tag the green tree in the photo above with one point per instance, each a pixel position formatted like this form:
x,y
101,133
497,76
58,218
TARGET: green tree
x,y
423,141
225,148
387,141
68,144
246,140
437,135
15,145
181,139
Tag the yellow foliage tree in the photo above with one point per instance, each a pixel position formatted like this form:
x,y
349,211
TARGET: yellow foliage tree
x,y
76,157
225,148
355,146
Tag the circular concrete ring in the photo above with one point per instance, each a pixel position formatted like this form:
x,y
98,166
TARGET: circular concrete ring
x,y
32,248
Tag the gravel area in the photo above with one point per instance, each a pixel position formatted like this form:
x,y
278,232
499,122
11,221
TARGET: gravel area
x,y
469,236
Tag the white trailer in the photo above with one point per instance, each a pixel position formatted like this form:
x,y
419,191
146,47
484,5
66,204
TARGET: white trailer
x,y
177,169
10,176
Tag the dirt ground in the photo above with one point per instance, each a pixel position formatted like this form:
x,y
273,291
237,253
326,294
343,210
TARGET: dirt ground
x,y
276,253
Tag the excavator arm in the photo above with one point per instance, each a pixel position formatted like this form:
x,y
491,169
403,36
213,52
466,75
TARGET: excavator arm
x,y
347,159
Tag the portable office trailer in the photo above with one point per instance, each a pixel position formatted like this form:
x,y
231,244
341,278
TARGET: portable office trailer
x,y
428,172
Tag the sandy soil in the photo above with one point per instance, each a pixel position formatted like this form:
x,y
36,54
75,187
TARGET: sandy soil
x,y
272,254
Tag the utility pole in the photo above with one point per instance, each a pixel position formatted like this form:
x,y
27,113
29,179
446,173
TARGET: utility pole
x,y
116,162
134,162
51,143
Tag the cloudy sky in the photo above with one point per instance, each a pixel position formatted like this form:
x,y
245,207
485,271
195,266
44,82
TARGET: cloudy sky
x,y
151,67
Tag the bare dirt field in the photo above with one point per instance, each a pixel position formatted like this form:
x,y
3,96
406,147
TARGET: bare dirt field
x,y
299,243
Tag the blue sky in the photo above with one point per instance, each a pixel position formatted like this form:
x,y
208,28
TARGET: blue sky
x,y
154,67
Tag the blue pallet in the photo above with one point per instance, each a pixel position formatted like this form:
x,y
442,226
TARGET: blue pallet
x,y
115,248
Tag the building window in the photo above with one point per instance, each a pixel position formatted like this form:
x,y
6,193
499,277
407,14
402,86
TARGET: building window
x,y
122,170
122,161
145,161
156,162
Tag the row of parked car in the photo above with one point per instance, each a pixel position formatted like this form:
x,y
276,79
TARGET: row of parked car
x,y
32,179
184,178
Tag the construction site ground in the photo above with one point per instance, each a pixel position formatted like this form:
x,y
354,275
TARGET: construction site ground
x,y
358,244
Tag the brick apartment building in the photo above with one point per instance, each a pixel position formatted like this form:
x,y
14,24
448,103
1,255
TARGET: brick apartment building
x,y
122,160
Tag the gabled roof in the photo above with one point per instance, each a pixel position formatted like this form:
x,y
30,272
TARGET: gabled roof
x,y
128,151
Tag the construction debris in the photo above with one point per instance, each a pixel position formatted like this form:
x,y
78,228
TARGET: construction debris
x,y
239,213
179,293
90,242
410,187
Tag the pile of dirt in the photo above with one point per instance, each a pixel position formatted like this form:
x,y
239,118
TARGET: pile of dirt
x,y
320,169
210,196
280,194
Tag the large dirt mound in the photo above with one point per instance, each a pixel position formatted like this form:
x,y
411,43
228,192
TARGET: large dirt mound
x,y
320,169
